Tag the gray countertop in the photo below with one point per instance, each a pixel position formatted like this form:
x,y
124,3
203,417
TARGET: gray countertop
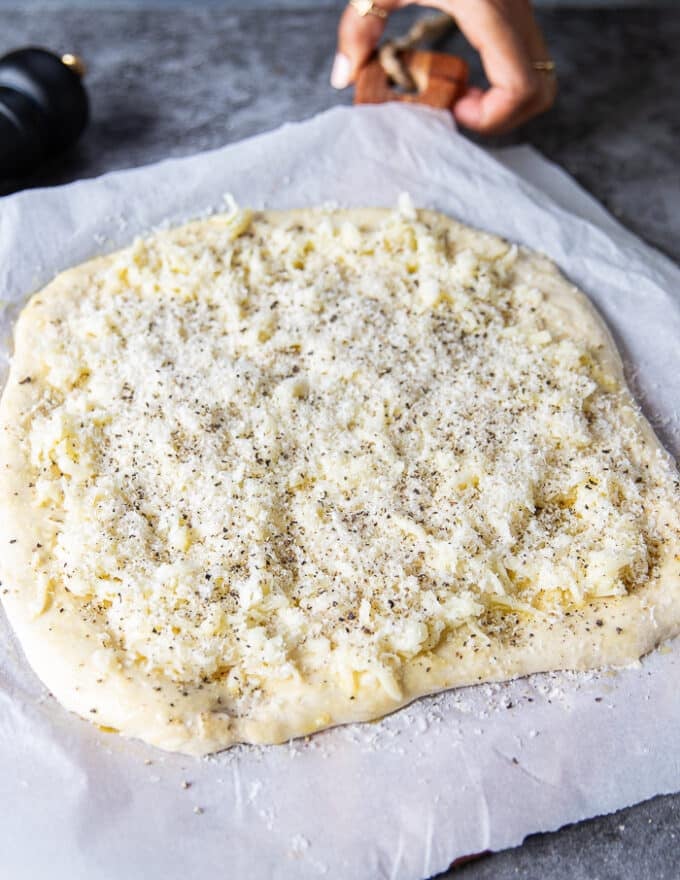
x,y
169,82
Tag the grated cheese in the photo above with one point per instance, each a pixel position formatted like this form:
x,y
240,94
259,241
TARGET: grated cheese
x,y
272,448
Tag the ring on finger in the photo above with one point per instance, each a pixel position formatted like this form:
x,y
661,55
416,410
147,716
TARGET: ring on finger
x,y
546,66
368,7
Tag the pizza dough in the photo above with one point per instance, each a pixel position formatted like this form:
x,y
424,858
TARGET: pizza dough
x,y
272,472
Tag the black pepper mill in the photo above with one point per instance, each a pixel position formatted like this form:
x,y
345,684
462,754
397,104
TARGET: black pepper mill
x,y
43,108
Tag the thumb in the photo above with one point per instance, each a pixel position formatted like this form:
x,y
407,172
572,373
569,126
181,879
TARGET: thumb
x,y
357,38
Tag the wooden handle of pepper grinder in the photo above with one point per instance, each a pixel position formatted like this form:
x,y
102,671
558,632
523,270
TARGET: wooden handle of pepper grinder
x,y
441,80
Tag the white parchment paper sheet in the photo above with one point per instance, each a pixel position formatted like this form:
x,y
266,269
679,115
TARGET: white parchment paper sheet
x,y
453,774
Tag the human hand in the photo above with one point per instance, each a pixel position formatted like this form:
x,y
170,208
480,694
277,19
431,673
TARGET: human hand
x,y
510,44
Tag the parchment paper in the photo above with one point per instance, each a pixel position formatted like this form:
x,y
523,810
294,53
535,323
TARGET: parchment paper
x,y
457,773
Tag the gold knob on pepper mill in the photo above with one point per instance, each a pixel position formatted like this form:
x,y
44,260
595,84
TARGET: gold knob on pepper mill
x,y
74,63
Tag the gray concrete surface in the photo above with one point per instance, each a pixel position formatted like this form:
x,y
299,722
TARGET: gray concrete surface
x,y
168,83
283,4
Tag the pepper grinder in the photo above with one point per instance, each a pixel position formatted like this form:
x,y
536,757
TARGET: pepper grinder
x,y
43,108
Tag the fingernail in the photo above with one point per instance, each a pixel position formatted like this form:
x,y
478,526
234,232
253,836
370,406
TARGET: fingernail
x,y
340,74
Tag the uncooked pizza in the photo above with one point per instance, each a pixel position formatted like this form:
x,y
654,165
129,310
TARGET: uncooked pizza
x,y
271,472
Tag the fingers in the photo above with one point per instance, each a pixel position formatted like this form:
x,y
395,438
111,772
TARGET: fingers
x,y
508,39
499,110
357,38
505,34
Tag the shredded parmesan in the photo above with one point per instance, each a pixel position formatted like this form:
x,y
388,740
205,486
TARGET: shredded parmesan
x,y
272,448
